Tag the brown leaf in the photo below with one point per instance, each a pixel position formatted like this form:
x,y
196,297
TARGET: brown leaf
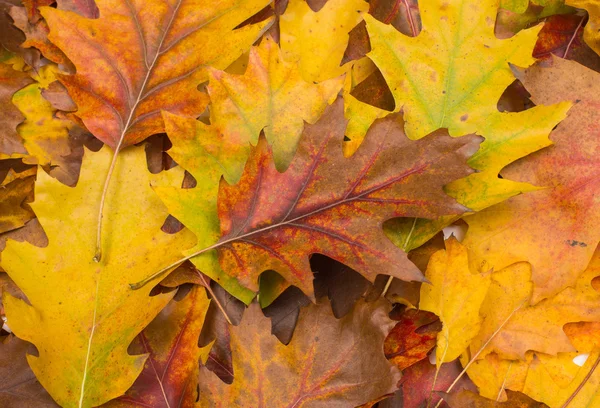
x,y
469,399
19,387
329,362
14,210
10,82
274,221
284,312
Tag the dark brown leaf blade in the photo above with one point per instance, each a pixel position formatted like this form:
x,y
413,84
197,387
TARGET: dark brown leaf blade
x,y
19,387
325,203
329,363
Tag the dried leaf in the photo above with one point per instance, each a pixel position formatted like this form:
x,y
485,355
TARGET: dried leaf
x,y
83,326
325,364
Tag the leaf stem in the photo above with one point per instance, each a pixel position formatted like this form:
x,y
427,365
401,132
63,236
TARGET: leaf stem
x,y
585,380
212,295
391,278
472,360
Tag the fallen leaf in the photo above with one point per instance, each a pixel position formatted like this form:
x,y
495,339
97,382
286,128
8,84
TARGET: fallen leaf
x,y
170,374
10,82
455,294
14,208
317,40
329,362
420,382
544,227
412,338
590,34
83,326
469,399
271,97
120,94
538,327
19,388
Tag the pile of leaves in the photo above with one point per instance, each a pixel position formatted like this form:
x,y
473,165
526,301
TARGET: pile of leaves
x,y
300,203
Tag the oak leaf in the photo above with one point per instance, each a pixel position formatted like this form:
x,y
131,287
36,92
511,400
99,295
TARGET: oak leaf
x,y
317,40
14,208
83,326
329,362
169,46
10,82
272,97
538,327
455,294
274,221
544,227
170,374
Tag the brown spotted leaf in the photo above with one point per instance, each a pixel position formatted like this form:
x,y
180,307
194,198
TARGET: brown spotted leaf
x,y
325,203
328,363
141,57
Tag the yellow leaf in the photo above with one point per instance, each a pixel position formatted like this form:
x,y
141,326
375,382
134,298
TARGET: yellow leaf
x,y
591,33
271,97
538,327
453,73
317,40
360,118
455,295
83,315
493,375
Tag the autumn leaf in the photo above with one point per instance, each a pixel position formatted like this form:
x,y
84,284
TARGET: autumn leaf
x,y
170,374
273,221
420,382
83,326
271,97
469,399
14,208
590,34
545,227
422,71
317,40
412,338
170,45
10,82
337,363
538,327
19,386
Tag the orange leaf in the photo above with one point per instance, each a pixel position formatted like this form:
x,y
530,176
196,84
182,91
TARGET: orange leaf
x,y
141,57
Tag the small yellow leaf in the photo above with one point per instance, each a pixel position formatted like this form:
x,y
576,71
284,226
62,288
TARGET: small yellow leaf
x,y
455,295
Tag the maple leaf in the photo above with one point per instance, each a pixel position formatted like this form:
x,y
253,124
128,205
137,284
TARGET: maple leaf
x,y
455,295
412,338
545,227
272,97
469,399
19,386
10,82
170,374
590,34
169,45
317,40
274,221
337,363
82,327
